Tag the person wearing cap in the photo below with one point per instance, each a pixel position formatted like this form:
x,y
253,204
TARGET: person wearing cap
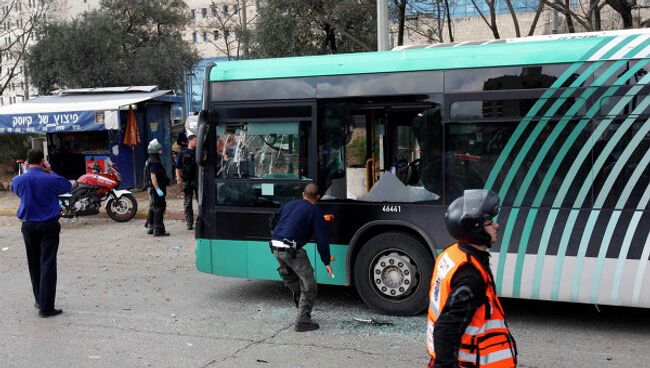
x,y
186,178
157,182
39,211
466,322
293,226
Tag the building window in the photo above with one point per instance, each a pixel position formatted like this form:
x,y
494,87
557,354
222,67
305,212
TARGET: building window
x,y
467,8
236,8
195,37
225,9
214,11
226,34
215,34
204,12
193,14
205,37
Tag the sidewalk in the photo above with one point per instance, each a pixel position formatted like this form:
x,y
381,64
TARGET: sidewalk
x,y
9,204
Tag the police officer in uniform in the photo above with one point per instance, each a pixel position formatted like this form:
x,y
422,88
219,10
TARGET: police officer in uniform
x,y
39,211
466,322
186,178
157,184
295,223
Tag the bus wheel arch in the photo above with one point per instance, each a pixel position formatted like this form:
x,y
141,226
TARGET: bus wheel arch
x,y
391,265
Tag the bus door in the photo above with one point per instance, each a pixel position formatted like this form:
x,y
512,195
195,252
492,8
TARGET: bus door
x,y
408,142
360,142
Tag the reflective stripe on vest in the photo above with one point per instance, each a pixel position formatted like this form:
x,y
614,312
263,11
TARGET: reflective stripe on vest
x,y
433,308
486,341
489,325
486,359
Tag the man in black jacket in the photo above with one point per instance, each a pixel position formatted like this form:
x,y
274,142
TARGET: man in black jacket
x,y
186,178
297,221
158,180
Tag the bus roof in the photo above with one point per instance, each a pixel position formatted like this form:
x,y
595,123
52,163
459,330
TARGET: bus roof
x,y
549,49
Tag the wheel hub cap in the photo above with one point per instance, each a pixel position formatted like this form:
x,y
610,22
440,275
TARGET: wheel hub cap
x,y
120,207
393,274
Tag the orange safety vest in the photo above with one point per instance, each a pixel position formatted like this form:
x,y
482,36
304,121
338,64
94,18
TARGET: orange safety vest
x,y
486,342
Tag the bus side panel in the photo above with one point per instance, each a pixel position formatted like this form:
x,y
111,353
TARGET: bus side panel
x,y
339,252
203,255
254,260
229,258
261,262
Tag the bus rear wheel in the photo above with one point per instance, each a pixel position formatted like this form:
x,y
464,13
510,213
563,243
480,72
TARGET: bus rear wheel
x,y
392,273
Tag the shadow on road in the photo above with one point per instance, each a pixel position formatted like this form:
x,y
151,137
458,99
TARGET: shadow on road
x,y
534,311
274,292
611,317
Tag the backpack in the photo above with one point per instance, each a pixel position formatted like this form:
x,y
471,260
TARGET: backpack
x,y
146,176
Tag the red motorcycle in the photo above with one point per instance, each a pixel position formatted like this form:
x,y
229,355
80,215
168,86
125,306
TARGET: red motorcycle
x,y
90,190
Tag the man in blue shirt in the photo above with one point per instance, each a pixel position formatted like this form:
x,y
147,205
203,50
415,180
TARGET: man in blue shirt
x,y
39,210
295,223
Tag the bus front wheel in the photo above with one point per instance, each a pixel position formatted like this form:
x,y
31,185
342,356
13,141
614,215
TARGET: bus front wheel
x,y
392,273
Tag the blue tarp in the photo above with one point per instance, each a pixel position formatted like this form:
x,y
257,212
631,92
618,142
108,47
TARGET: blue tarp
x,y
75,110
74,121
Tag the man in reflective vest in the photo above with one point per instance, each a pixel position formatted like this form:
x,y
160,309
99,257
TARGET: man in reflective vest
x,y
466,323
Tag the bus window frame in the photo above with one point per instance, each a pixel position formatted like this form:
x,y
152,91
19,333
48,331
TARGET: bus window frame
x,y
312,151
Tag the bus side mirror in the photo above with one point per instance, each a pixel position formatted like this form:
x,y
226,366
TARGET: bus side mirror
x,y
202,149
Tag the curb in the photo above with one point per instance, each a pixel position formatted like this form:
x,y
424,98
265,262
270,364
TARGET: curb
x,y
141,214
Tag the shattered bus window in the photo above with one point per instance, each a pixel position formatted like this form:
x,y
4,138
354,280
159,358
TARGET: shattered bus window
x,y
260,150
375,153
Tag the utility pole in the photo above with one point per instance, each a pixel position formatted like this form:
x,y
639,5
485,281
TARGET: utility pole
x,y
382,25
555,22
244,27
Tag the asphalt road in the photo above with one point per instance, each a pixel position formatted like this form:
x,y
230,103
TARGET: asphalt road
x,y
131,300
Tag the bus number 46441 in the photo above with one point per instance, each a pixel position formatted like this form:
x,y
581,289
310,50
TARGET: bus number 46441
x,y
396,209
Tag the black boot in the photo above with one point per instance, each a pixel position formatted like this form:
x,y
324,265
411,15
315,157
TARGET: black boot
x,y
306,326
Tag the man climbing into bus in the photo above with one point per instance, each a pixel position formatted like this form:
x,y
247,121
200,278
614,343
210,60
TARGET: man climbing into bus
x,y
466,322
295,224
186,178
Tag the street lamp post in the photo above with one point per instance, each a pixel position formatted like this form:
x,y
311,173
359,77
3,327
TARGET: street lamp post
x,y
382,25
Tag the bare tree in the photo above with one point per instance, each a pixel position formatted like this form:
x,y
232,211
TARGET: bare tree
x,y
587,14
492,22
515,21
400,8
229,27
428,19
538,13
19,23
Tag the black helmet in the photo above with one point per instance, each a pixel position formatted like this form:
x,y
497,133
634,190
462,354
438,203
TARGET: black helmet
x,y
466,215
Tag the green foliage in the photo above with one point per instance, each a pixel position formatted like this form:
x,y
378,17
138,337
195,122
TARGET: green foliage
x,y
357,151
313,27
12,147
124,42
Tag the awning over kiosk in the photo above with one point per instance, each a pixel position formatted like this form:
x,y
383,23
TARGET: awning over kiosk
x,y
73,111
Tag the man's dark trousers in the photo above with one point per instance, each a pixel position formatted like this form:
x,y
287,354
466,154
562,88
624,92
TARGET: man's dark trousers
x,y
42,244
156,214
149,223
298,275
189,193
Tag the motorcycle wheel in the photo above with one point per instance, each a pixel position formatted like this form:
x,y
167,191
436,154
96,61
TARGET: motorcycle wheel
x,y
122,209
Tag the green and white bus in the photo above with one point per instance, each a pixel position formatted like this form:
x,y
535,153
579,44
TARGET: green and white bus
x,y
556,125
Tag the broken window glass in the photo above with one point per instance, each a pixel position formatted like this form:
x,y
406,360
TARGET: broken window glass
x,y
380,154
261,150
261,164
